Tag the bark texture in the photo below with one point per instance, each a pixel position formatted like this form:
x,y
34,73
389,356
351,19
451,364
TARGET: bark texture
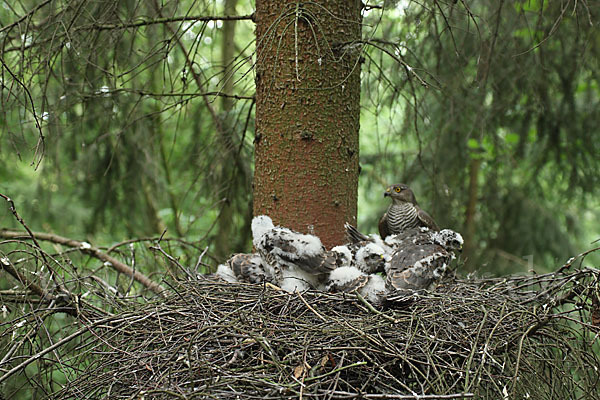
x,y
307,114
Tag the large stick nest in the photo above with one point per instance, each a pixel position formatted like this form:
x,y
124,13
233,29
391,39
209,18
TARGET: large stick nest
x,y
68,333
516,337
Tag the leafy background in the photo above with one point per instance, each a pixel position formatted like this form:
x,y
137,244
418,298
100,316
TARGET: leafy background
x,y
501,94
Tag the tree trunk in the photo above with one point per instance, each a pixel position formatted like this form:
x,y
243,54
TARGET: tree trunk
x,y
307,114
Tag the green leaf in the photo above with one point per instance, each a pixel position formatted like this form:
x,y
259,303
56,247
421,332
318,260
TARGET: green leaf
x,y
512,138
473,144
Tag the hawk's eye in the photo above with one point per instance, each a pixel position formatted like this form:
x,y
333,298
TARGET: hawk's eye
x,y
398,189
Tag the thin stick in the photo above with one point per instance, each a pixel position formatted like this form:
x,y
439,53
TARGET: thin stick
x,y
373,310
86,248
310,308
53,347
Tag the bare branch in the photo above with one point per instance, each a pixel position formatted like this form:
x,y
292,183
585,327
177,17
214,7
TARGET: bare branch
x,y
166,94
165,20
86,248
24,17
53,347
40,147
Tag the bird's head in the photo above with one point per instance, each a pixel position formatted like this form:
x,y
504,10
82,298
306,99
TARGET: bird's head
x,y
343,256
260,225
400,192
371,257
449,239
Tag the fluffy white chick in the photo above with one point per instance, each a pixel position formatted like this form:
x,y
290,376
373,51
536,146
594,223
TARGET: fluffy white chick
x,y
225,272
299,261
349,279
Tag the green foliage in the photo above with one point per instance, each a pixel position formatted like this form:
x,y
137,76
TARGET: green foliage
x,y
131,136
130,145
511,85
137,139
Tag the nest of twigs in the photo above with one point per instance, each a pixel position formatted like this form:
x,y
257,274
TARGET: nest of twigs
x,y
70,332
493,338
73,329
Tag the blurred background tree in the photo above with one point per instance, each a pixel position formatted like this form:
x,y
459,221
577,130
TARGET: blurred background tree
x,y
489,110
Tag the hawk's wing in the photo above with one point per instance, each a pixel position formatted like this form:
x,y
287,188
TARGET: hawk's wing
x,y
409,254
426,219
383,226
416,265
413,278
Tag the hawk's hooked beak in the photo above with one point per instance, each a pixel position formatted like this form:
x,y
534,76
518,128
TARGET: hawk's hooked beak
x,y
387,193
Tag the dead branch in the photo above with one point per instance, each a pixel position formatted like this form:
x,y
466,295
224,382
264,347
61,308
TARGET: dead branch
x,y
88,249
165,20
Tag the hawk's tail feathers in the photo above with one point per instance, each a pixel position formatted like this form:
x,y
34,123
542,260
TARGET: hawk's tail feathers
x,y
354,235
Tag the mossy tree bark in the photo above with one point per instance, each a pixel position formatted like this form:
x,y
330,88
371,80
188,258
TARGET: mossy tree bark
x,y
307,114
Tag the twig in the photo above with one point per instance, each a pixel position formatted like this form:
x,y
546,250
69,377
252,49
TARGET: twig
x,y
373,310
54,347
409,70
335,371
25,16
64,302
172,260
166,20
41,141
310,308
87,248
6,265
166,94
20,220
350,395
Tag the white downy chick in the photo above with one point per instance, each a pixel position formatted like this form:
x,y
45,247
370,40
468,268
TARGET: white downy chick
x,y
370,258
344,255
297,280
374,291
299,260
449,239
250,268
225,272
349,279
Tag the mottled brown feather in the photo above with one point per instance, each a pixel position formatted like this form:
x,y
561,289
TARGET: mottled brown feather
x,y
426,219
384,230
350,286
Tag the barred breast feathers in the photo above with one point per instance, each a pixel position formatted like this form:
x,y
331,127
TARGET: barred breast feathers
x,y
401,217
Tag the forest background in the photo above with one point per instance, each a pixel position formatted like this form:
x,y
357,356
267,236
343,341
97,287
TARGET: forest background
x,y
488,110
125,121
